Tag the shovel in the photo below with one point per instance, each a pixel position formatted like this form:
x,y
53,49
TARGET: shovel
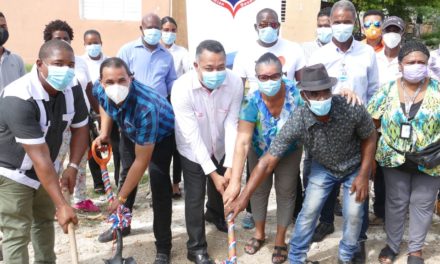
x,y
102,162
71,233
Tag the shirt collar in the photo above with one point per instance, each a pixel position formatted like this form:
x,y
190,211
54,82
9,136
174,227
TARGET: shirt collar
x,y
353,45
140,44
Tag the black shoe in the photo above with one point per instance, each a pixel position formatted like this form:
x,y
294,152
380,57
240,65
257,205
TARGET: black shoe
x,y
322,230
109,235
220,223
200,258
338,208
162,258
359,256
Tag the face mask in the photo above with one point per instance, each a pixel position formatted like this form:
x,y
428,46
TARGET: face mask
x,y
213,80
152,36
373,32
93,50
342,32
324,34
116,92
415,73
320,108
168,37
59,77
391,39
4,35
268,34
269,87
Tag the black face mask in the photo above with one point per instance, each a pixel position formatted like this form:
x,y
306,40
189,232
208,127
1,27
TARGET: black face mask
x,y
4,35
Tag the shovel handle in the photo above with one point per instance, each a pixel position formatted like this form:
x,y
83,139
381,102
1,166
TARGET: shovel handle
x,y
71,233
101,162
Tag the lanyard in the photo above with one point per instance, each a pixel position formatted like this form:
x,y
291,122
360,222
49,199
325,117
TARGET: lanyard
x,y
409,100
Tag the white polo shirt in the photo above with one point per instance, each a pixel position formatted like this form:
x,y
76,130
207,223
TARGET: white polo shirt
x,y
206,122
358,63
182,62
290,53
388,70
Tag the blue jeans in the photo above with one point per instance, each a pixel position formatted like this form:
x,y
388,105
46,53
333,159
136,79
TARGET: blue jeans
x,y
321,183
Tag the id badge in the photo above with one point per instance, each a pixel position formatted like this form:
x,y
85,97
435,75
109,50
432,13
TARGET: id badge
x,y
405,131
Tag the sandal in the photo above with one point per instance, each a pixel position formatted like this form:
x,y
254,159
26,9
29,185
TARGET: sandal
x,y
415,260
279,254
254,244
387,255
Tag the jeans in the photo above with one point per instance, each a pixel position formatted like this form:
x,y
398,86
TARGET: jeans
x,y
321,182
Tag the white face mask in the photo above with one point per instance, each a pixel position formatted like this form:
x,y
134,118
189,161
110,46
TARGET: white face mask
x,y
391,39
116,92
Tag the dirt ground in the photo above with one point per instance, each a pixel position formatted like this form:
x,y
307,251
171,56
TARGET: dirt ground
x,y
140,244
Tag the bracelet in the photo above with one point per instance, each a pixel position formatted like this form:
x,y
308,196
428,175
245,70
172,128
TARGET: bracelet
x,y
73,165
121,199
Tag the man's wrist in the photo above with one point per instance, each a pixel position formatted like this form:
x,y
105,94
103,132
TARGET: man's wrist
x,y
122,199
73,165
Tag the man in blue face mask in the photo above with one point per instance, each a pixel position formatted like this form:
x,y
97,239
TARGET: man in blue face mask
x,y
342,141
206,103
323,33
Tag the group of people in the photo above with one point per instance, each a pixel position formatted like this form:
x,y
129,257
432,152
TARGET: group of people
x,y
352,111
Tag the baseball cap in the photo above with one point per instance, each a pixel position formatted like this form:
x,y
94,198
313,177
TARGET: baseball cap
x,y
394,21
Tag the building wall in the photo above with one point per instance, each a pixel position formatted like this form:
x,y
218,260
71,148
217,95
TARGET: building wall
x,y
27,19
300,23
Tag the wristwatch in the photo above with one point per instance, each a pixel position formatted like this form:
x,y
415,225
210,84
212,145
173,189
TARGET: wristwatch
x,y
73,165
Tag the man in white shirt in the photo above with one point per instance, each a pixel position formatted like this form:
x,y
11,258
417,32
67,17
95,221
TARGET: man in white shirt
x,y
323,33
94,55
267,27
206,104
354,65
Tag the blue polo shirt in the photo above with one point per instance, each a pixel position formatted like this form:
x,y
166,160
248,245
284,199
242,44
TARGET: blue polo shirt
x,y
154,68
145,117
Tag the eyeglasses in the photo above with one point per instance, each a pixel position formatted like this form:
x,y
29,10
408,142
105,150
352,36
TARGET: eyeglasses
x,y
375,23
273,25
273,77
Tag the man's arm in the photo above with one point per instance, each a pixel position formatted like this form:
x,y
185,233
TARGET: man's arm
x,y
92,99
171,76
43,166
373,78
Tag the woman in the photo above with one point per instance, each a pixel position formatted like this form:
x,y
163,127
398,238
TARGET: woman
x,y
263,114
407,111
181,65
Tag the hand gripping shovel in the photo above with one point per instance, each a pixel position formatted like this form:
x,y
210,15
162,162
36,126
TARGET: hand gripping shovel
x,y
122,218
232,243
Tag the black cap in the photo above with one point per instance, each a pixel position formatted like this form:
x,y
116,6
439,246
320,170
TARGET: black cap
x,y
394,21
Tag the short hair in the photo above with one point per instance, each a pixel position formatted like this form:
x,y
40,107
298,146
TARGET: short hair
x,y
411,46
57,25
266,10
344,5
167,19
92,32
210,45
324,12
114,62
269,58
374,12
50,46
2,15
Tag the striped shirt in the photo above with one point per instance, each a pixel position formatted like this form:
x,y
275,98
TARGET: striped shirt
x,y
145,117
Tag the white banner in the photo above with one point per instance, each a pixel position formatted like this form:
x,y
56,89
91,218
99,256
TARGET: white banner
x,y
229,21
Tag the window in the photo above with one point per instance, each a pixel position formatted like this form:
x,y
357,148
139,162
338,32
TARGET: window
x,y
120,10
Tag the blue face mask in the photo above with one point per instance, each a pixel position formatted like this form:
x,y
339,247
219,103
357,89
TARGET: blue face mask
x,y
168,37
152,36
324,34
268,34
59,77
320,108
93,50
342,32
213,80
269,87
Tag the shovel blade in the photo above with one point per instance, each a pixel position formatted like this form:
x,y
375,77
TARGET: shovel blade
x,y
117,258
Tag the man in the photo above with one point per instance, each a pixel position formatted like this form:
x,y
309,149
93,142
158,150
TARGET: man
x,y
342,141
323,33
341,58
206,103
11,65
94,55
146,121
34,112
153,66
150,62
372,29
393,29
267,27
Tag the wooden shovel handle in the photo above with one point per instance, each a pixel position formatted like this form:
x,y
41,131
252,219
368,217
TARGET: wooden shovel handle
x,y
71,233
